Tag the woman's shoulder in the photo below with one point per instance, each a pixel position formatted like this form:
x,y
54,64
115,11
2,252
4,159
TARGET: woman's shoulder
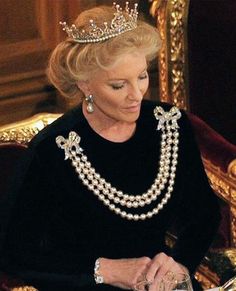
x,y
62,125
148,106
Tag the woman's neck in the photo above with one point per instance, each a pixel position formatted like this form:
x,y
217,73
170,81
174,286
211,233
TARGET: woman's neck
x,y
110,129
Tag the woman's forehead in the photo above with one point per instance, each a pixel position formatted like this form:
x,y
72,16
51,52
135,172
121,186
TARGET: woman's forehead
x,y
126,66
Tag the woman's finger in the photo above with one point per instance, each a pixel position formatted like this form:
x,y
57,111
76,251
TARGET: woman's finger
x,y
160,266
155,265
167,266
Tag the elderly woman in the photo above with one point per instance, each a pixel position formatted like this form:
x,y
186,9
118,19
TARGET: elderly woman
x,y
100,187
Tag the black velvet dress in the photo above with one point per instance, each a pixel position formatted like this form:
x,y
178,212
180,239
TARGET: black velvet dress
x,y
58,228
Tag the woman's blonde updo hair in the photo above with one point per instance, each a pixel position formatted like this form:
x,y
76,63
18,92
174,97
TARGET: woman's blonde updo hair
x,y
71,62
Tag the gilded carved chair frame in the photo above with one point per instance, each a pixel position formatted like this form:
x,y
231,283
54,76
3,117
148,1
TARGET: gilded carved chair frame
x,y
23,131
172,19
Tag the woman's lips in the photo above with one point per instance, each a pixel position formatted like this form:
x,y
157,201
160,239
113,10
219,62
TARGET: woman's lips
x,y
133,108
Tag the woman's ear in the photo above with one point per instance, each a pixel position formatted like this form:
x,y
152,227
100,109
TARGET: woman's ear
x,y
84,87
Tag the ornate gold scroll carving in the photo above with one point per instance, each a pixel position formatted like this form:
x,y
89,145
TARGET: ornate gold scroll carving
x,y
172,22
207,278
224,184
178,10
232,169
233,225
24,288
162,60
22,135
23,131
231,255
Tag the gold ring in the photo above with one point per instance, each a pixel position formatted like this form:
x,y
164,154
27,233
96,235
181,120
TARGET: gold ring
x,y
170,275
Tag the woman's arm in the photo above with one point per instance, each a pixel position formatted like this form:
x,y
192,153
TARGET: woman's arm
x,y
27,250
31,251
199,210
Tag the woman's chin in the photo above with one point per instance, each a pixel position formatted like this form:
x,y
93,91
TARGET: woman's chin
x,y
131,116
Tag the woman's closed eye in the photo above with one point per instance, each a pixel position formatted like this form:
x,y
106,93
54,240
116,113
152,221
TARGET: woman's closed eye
x,y
143,76
118,86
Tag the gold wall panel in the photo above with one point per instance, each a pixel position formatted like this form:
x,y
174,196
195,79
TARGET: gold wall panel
x,y
29,30
28,34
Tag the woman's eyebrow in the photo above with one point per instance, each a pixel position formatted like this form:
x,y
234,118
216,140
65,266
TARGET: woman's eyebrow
x,y
123,79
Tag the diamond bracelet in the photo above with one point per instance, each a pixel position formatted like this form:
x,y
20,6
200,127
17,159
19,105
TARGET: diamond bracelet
x,y
97,277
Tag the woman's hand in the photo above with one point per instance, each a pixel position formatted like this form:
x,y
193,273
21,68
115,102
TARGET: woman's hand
x,y
161,265
127,273
124,273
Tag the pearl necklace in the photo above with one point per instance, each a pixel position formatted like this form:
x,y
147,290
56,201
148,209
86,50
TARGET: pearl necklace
x,y
112,197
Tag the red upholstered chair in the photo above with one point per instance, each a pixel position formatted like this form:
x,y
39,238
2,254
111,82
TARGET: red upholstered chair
x,y
13,143
213,146
218,155
219,158
14,138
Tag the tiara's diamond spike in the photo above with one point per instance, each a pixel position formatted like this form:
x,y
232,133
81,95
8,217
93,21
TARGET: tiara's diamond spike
x,y
119,24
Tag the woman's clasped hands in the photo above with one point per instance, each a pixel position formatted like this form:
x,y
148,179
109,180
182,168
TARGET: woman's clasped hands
x,y
139,274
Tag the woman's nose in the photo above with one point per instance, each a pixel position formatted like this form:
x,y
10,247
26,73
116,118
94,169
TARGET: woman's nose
x,y
135,93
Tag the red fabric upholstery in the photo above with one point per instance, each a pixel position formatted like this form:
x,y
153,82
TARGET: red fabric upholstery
x,y
7,283
212,145
219,152
223,237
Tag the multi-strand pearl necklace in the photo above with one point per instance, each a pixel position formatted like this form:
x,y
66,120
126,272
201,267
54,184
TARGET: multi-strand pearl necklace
x,y
114,198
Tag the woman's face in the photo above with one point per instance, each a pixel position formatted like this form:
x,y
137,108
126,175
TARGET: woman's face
x,y
118,92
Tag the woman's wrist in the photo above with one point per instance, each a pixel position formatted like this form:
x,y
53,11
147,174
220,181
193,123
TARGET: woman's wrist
x,y
104,269
97,275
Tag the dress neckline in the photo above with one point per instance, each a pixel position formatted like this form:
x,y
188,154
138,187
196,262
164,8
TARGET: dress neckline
x,y
105,141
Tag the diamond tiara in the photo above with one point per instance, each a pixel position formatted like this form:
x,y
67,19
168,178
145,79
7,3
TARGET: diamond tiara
x,y
94,33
